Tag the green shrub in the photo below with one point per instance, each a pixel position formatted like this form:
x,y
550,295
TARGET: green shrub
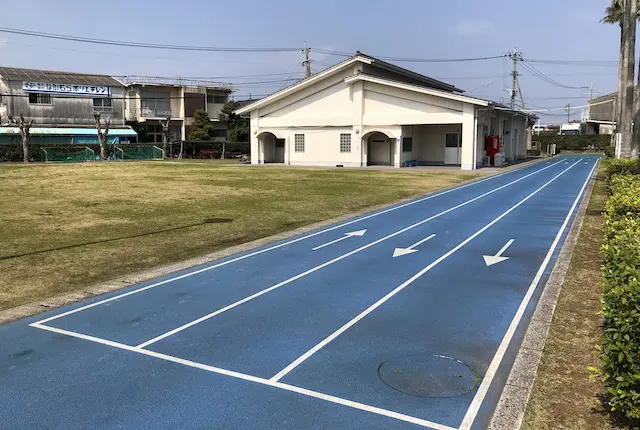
x,y
610,151
620,349
622,165
574,142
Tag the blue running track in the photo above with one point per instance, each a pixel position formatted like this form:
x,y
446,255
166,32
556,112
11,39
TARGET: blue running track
x,y
409,317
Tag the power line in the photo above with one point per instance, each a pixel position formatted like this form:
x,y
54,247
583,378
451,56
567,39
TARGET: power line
x,y
594,63
138,44
537,73
411,59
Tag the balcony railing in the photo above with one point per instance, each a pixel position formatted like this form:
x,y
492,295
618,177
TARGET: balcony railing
x,y
154,113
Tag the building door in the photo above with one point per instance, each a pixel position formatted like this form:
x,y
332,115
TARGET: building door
x,y
279,154
452,149
379,150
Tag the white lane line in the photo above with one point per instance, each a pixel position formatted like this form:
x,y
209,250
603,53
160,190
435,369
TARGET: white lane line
x,y
251,378
470,416
408,282
325,264
262,251
358,233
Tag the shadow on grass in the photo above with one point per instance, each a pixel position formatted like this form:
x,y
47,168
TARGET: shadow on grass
x,y
133,236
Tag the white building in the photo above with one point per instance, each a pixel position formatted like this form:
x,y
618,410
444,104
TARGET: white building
x,y
364,111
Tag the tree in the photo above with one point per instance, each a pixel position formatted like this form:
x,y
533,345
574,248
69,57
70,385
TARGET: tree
x,y
165,136
626,108
201,128
613,15
237,126
25,134
102,135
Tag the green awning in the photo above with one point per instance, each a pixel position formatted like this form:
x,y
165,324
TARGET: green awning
x,y
62,131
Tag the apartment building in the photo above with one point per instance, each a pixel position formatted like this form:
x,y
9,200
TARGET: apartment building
x,y
61,106
150,101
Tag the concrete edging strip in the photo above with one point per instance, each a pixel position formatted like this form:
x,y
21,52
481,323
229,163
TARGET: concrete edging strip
x,y
512,405
46,305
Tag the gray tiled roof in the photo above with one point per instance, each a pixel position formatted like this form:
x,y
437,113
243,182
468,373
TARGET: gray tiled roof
x,y
53,77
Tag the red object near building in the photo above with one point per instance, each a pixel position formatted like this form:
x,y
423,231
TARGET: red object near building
x,y
493,145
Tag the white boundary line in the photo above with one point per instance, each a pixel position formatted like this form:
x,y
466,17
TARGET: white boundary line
x,y
472,412
251,378
262,251
409,281
327,263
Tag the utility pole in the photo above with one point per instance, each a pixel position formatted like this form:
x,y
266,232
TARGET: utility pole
x,y
515,57
568,106
307,62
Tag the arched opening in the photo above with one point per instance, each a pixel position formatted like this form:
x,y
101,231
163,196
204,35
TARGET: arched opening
x,y
272,148
380,149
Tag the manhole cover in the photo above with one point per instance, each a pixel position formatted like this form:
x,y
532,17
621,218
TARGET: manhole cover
x,y
428,375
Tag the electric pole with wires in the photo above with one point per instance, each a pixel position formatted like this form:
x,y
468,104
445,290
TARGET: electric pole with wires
x,y
307,62
515,57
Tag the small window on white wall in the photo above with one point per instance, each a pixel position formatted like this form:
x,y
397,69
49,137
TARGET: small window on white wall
x,y
345,143
299,143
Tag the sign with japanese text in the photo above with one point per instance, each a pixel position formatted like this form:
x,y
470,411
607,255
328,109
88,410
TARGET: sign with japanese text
x,y
80,90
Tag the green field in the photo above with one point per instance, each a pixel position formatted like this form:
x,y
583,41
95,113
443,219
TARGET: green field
x,y
65,227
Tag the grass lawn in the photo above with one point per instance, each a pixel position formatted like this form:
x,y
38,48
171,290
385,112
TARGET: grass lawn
x,y
69,226
564,397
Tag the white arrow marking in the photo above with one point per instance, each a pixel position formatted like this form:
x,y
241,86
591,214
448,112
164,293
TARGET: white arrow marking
x,y
358,233
399,252
490,260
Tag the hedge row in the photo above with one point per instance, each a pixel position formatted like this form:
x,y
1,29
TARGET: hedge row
x,y
574,142
620,349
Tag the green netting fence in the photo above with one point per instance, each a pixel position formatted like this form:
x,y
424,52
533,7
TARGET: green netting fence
x,y
138,152
66,154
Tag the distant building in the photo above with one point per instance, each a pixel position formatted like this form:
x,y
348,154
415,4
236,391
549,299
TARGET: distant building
x,y
367,112
601,114
61,106
151,100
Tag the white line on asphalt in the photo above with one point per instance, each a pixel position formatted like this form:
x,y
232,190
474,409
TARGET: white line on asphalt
x,y
262,251
408,282
251,378
325,264
398,252
358,233
470,416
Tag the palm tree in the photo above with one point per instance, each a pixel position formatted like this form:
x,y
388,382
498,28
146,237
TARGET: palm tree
x,y
626,108
613,15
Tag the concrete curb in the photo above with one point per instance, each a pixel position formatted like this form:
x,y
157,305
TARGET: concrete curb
x,y
41,306
512,405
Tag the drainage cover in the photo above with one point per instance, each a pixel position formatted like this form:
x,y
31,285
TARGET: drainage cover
x,y
428,375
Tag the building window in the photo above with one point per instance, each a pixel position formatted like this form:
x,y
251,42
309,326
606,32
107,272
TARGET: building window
x,y
155,104
102,104
299,143
407,144
220,133
154,133
216,99
345,143
39,99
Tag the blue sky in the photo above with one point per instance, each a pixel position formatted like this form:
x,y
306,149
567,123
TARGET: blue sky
x,y
546,29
